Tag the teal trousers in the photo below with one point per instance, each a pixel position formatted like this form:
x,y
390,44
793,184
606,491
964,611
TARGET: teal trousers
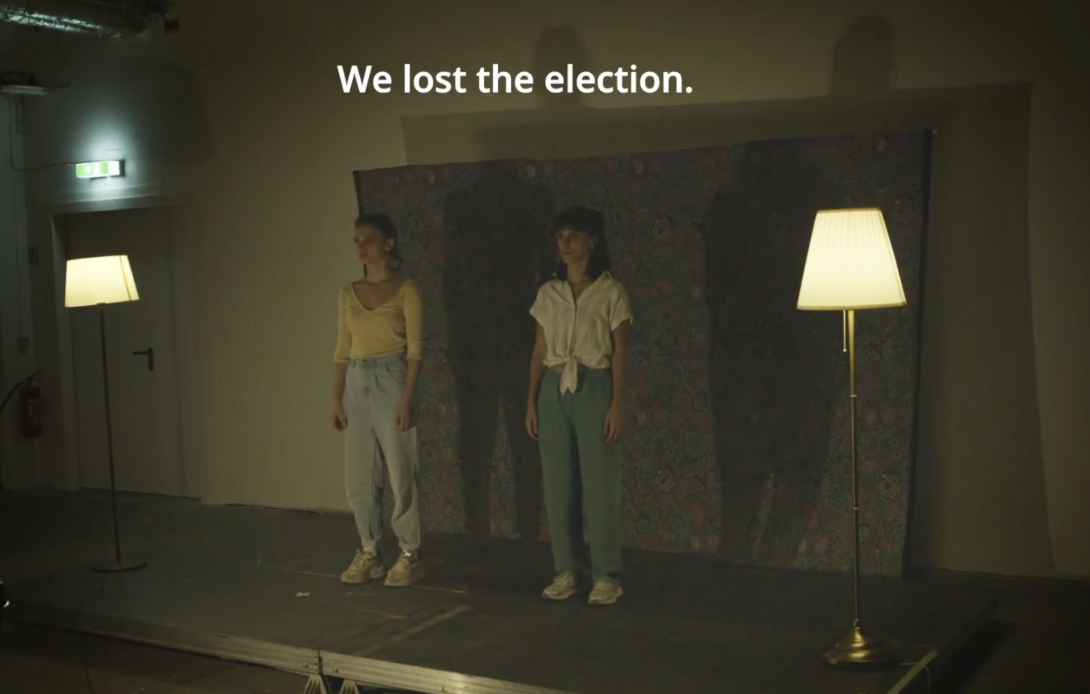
x,y
582,475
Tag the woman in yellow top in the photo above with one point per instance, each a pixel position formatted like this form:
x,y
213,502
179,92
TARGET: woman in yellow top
x,y
376,365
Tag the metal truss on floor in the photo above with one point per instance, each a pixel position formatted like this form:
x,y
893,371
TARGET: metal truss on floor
x,y
325,672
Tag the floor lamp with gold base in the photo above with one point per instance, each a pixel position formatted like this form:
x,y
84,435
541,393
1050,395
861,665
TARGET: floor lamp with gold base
x,y
97,282
850,266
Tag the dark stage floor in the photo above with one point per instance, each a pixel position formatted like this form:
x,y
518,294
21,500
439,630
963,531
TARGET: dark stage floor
x,y
261,586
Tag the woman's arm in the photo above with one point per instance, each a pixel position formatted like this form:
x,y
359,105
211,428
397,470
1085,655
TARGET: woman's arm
x,y
340,354
339,370
412,373
620,320
614,423
413,307
619,363
537,368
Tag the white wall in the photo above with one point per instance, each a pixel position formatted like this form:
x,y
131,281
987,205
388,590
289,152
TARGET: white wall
x,y
17,467
244,108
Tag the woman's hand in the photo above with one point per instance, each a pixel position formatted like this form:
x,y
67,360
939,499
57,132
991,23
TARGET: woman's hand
x,y
613,424
531,420
404,418
338,418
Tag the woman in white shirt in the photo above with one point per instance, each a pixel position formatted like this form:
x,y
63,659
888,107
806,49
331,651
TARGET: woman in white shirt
x,y
576,407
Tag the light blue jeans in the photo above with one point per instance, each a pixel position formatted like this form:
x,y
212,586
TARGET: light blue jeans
x,y
372,392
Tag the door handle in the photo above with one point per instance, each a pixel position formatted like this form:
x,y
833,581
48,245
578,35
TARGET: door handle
x,y
150,354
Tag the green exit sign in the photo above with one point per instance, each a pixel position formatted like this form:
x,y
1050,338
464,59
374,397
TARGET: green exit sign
x,y
98,169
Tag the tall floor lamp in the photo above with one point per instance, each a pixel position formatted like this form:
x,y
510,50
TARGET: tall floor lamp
x,y
97,282
850,266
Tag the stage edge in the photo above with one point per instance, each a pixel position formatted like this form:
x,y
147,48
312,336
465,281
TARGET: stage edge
x,y
316,665
923,674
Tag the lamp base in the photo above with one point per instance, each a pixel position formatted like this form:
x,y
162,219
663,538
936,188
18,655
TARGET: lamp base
x,y
855,650
115,567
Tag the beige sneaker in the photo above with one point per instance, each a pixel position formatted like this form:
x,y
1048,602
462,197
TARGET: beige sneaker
x,y
365,566
407,571
605,593
563,587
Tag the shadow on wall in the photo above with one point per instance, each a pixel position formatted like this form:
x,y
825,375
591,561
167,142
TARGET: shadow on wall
x,y
863,64
493,253
862,100
772,369
498,251
179,132
557,47
172,130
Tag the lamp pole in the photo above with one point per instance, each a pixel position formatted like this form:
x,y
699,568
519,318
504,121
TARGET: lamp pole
x,y
117,566
856,649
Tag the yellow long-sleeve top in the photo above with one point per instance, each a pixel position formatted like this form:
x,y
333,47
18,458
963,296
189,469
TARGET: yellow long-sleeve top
x,y
394,326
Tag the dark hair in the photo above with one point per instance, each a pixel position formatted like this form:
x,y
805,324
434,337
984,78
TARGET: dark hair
x,y
591,222
386,227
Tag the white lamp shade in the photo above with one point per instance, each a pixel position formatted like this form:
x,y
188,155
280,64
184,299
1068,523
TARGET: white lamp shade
x,y
103,280
850,264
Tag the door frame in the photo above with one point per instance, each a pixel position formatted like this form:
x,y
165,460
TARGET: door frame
x,y
182,228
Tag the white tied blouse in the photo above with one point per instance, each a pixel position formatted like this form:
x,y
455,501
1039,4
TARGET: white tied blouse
x,y
580,332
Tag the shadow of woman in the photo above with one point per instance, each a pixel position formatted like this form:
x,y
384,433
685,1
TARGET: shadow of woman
x,y
494,232
772,368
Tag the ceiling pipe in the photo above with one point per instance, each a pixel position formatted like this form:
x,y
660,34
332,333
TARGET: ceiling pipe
x,y
113,19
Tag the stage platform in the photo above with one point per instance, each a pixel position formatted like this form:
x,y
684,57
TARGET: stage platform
x,y
261,586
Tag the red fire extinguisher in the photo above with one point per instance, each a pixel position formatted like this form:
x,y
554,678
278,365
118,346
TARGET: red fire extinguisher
x,y
30,409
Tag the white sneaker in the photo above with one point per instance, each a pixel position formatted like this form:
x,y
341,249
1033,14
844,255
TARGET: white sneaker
x,y
605,593
407,571
365,566
563,587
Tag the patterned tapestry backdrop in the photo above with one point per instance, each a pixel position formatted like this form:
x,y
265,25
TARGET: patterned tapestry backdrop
x,y
738,438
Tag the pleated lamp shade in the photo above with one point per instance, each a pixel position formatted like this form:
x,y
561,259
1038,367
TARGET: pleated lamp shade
x,y
850,264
